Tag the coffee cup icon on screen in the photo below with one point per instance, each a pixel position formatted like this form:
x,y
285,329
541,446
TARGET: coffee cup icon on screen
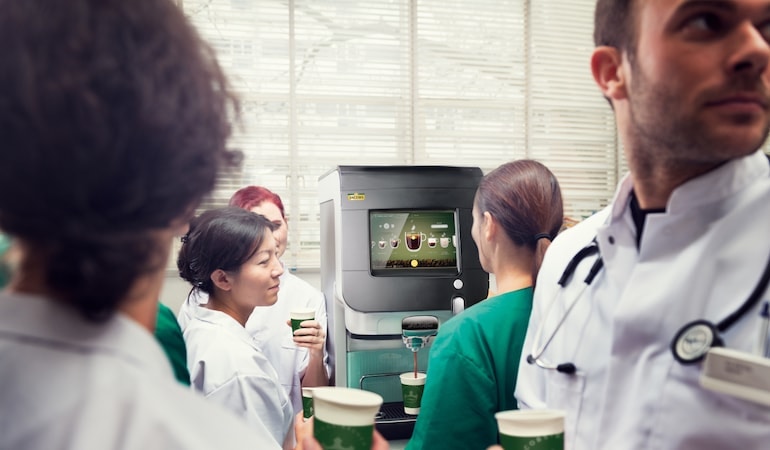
x,y
432,242
413,240
381,244
444,242
394,242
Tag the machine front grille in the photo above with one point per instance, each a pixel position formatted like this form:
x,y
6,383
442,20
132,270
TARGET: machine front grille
x,y
394,412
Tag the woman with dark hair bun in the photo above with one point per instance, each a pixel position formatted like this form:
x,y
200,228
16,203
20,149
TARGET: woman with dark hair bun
x,y
475,358
299,358
230,254
113,122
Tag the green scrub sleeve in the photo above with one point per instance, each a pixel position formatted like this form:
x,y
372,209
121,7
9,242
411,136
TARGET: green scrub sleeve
x,y
169,335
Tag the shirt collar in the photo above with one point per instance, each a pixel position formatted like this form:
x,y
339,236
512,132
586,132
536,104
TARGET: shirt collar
x,y
716,185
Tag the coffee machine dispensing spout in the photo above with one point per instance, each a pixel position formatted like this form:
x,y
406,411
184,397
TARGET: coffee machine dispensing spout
x,y
416,331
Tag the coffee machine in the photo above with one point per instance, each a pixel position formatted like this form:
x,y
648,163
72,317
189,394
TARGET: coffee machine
x,y
395,243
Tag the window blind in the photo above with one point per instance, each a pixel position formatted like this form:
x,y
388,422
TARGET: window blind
x,y
392,82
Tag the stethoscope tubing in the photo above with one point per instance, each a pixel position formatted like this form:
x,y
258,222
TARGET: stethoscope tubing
x,y
593,248
751,301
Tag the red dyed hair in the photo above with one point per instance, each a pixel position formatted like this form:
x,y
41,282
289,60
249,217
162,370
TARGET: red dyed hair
x,y
251,196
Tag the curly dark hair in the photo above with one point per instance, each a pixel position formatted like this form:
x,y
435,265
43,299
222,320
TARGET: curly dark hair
x,y
614,25
113,122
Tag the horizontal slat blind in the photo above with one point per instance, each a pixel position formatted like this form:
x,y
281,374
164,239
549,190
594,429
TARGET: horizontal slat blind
x,y
471,82
571,126
452,82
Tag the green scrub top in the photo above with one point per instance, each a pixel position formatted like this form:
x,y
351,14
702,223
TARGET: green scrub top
x,y
169,335
472,373
5,270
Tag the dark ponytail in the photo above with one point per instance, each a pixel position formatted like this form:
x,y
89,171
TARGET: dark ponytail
x,y
525,198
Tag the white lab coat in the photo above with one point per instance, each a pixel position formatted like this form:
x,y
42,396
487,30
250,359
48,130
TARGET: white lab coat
x,y
268,327
66,383
267,324
698,260
228,367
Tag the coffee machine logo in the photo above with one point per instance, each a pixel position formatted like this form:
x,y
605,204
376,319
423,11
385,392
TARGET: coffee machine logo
x,y
411,397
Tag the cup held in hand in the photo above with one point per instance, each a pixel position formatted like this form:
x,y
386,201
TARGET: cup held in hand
x,y
298,316
344,417
535,429
307,402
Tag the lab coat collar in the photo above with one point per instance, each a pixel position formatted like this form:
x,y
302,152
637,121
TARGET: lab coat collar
x,y
41,319
225,321
713,186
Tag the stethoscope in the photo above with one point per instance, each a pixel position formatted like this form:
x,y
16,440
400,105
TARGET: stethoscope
x,y
691,342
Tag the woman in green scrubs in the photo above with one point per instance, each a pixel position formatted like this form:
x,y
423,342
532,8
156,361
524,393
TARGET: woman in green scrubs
x,y
475,357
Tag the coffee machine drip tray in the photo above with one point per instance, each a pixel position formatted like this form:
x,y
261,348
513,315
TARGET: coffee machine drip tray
x,y
393,423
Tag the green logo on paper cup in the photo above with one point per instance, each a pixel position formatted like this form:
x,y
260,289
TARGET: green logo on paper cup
x,y
300,315
342,437
307,406
550,442
295,324
412,395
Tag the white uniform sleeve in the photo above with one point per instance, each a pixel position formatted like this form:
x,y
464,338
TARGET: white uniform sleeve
x,y
256,400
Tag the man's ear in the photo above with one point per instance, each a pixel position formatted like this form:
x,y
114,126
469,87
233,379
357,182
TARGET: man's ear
x,y
607,69
221,280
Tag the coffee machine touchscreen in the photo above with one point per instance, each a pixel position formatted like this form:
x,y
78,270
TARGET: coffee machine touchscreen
x,y
414,241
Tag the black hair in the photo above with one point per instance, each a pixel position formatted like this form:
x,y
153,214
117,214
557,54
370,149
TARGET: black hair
x,y
113,122
613,25
525,198
223,238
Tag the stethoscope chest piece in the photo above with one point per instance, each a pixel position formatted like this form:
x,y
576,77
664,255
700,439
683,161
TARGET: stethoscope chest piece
x,y
694,340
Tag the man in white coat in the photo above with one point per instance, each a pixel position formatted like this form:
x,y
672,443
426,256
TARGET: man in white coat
x,y
684,239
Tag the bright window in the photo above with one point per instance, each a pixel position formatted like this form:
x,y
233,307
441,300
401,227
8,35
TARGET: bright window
x,y
399,82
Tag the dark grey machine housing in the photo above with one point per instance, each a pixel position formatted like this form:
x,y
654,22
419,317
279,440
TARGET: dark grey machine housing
x,y
366,306
400,188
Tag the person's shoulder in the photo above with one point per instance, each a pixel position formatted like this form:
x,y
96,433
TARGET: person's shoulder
x,y
569,241
208,340
186,420
466,324
499,308
166,319
165,310
298,289
223,347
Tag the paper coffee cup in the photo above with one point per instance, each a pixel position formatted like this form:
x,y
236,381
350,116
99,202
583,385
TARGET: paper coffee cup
x,y
307,402
298,316
532,429
411,390
344,417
